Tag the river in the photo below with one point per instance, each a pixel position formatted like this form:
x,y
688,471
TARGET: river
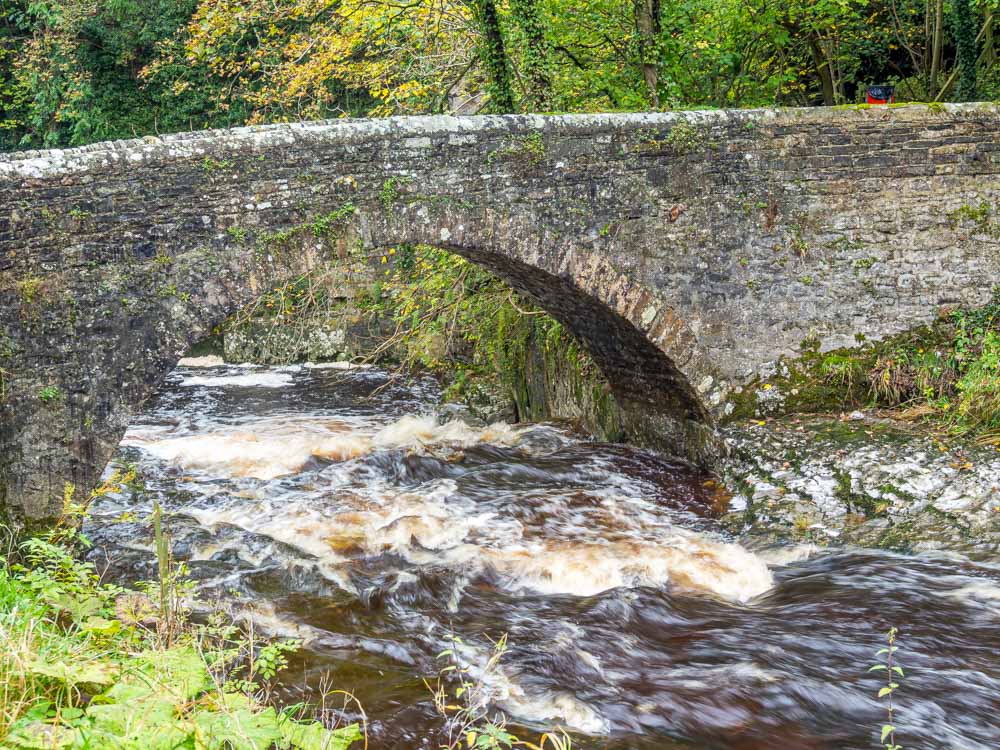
x,y
344,508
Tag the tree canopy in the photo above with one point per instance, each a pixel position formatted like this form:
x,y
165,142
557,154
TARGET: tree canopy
x,y
76,71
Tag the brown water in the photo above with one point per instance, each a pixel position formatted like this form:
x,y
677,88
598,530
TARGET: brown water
x,y
373,530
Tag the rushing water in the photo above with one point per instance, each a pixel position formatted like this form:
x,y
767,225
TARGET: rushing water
x,y
330,505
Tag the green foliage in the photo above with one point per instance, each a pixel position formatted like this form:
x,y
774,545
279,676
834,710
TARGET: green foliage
x,y
87,666
210,165
49,393
328,223
529,36
390,191
981,217
528,149
967,55
324,225
239,234
948,372
77,71
685,138
28,289
492,54
457,319
70,72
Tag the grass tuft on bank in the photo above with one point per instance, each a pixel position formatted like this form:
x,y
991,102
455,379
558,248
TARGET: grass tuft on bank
x,y
946,373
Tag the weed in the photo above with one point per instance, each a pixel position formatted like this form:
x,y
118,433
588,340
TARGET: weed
x,y
336,219
321,226
210,165
685,138
28,289
799,246
390,191
49,394
982,218
239,234
842,369
892,671
529,149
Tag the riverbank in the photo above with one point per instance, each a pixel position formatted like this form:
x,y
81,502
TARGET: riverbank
x,y
864,480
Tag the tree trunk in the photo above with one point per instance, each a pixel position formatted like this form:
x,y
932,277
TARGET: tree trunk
x,y
938,48
989,57
536,54
493,55
928,46
823,70
648,27
967,54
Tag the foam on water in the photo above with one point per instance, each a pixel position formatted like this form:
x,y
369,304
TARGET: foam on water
x,y
210,360
274,448
431,527
789,554
545,707
266,379
984,594
685,561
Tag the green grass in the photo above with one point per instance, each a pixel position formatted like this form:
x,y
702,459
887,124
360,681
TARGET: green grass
x,y
946,373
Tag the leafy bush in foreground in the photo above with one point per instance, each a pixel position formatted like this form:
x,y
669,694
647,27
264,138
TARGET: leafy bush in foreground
x,y
86,665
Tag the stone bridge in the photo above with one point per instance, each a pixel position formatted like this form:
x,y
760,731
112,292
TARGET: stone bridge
x,y
688,252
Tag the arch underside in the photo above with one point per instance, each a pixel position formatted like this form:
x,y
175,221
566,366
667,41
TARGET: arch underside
x,y
660,407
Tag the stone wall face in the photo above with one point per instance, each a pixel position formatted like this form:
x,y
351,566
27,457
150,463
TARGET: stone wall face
x,y
686,251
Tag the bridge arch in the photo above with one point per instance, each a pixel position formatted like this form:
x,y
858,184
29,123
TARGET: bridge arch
x,y
687,251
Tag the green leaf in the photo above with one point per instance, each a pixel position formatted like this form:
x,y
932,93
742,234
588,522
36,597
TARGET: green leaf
x,y
314,736
150,723
884,692
180,671
79,608
876,668
38,735
887,729
236,730
899,671
101,625
89,673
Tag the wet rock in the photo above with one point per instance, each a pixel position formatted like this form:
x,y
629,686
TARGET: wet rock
x,y
868,482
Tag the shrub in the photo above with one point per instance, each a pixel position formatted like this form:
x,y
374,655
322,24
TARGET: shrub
x,y
86,665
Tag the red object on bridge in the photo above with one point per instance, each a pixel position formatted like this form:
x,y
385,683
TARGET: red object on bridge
x,y
881,95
